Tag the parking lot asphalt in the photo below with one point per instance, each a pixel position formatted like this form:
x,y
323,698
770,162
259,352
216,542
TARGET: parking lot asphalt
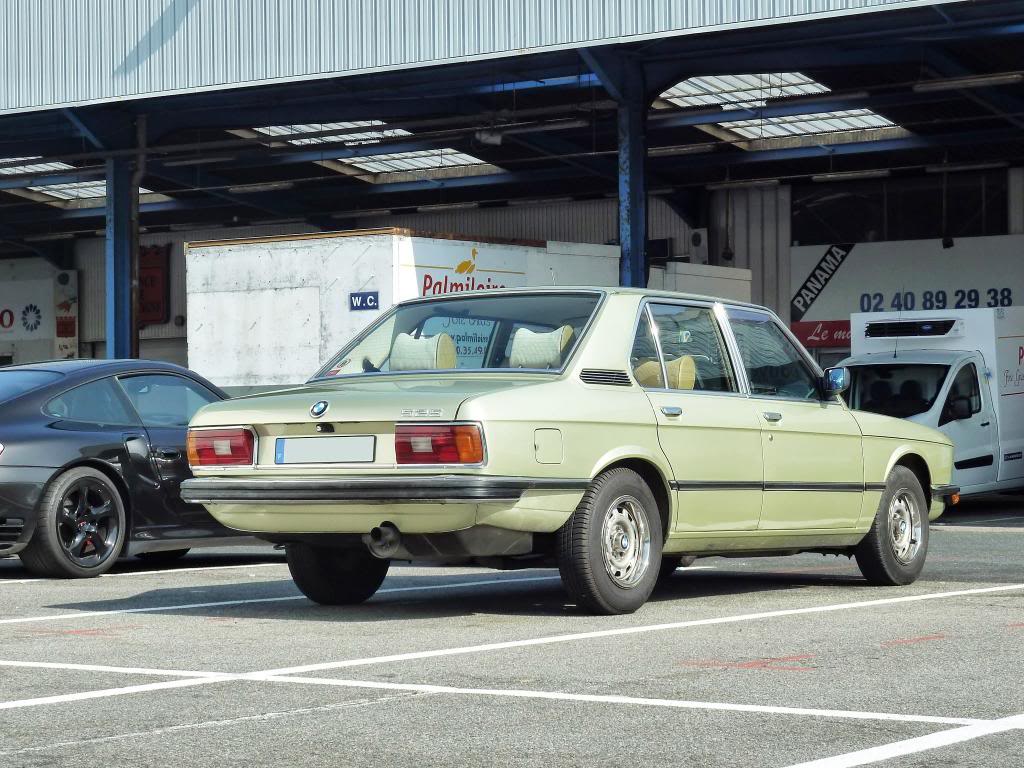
x,y
219,661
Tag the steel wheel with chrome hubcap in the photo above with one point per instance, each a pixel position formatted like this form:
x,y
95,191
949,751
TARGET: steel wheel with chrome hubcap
x,y
607,549
81,526
894,550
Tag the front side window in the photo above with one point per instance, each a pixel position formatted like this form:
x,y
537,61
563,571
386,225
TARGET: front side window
x,y
898,390
98,402
693,349
165,400
773,363
526,331
964,389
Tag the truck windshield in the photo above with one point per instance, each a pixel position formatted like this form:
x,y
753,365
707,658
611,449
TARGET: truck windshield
x,y
525,331
895,390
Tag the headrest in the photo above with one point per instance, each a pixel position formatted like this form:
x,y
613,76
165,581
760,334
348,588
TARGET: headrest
x,y
648,374
682,372
881,389
423,354
911,388
539,350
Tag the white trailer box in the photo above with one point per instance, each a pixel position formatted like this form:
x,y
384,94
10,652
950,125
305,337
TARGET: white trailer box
x,y
959,371
268,311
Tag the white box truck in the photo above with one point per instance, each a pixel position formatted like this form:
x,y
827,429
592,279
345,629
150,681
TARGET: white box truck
x,y
959,371
266,312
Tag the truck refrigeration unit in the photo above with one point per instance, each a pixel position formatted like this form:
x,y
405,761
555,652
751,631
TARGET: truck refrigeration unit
x,y
959,371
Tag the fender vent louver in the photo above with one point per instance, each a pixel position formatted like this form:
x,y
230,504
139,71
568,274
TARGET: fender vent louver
x,y
608,378
887,329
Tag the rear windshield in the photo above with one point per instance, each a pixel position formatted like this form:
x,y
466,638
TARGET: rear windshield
x,y
895,390
14,383
524,331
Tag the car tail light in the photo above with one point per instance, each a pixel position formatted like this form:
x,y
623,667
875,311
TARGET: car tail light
x,y
228,447
439,444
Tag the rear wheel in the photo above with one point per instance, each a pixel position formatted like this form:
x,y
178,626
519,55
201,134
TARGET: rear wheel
x,y
610,549
81,527
335,576
162,558
894,551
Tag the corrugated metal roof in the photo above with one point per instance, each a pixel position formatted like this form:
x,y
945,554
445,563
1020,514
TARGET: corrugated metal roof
x,y
756,90
82,51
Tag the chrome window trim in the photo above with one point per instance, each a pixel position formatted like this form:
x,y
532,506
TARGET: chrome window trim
x,y
246,427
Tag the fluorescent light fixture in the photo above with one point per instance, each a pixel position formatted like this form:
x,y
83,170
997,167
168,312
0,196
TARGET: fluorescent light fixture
x,y
880,173
448,207
198,161
357,213
751,184
51,236
974,81
540,200
682,149
959,167
247,189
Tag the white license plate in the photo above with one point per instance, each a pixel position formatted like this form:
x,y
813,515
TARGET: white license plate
x,y
345,449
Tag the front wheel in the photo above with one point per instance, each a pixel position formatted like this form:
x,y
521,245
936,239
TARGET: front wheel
x,y
893,552
609,551
335,576
81,528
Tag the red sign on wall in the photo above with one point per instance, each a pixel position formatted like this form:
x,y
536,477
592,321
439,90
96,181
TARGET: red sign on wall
x,y
823,333
154,284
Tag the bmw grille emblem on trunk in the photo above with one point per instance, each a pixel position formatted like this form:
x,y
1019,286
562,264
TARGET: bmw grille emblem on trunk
x,y
319,409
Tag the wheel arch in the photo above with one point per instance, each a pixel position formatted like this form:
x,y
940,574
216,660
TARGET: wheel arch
x,y
656,480
916,464
111,474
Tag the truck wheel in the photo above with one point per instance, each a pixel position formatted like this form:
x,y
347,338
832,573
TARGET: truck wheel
x,y
335,576
894,550
672,563
81,528
610,549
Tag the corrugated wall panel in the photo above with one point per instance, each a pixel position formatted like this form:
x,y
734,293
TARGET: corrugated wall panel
x,y
58,52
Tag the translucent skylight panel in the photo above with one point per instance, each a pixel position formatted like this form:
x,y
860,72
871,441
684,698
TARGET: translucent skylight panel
x,y
80,190
414,161
358,135
741,90
802,125
30,167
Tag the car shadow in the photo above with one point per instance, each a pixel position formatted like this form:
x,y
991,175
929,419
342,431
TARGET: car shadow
x,y
11,568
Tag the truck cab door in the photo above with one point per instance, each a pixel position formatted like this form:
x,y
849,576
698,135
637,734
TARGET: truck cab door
x,y
967,417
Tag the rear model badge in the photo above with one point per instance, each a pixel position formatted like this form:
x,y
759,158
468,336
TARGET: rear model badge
x,y
421,413
319,409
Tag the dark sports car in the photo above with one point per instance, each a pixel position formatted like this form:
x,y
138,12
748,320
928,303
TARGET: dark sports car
x,y
92,453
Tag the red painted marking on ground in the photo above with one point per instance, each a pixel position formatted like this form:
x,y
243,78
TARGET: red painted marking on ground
x,y
80,632
913,640
1016,625
775,664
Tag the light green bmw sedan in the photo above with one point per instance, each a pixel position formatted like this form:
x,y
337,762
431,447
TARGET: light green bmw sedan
x,y
617,433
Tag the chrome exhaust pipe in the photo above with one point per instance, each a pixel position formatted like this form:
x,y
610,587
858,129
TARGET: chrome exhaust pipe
x,y
383,541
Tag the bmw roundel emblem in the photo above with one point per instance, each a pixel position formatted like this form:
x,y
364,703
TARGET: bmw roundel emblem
x,y
319,409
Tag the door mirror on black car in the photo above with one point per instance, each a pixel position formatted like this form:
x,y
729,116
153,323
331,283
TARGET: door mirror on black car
x,y
834,381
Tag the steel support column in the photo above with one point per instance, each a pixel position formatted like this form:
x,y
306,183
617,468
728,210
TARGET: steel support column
x,y
122,220
632,127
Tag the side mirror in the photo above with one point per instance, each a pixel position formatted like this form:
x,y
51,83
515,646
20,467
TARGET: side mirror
x,y
960,409
835,381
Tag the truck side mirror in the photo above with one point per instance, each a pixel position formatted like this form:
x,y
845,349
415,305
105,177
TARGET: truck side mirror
x,y
835,381
960,408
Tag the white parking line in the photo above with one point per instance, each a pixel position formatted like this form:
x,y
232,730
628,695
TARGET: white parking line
x,y
258,600
919,744
108,692
628,700
104,668
644,628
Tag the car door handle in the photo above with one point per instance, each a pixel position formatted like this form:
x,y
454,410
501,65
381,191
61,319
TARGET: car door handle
x,y
671,410
772,416
985,423
169,454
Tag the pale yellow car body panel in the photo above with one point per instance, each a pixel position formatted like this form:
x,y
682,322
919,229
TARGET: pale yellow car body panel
x,y
540,425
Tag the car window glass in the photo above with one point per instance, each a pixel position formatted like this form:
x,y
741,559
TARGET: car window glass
x,y
98,402
898,390
964,387
164,400
694,351
471,335
774,366
14,383
643,358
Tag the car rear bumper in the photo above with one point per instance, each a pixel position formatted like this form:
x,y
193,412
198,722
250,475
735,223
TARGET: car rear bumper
x,y
20,489
444,489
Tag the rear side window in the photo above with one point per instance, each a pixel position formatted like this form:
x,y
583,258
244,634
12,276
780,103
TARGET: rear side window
x,y
693,349
14,383
98,402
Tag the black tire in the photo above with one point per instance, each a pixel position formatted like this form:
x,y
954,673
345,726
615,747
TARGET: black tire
x,y
165,557
671,563
879,553
335,576
582,563
81,527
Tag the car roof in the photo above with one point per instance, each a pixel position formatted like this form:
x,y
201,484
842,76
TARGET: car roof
x,y
92,366
910,356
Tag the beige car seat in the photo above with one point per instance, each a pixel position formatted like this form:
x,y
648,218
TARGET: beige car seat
x,y
682,373
426,353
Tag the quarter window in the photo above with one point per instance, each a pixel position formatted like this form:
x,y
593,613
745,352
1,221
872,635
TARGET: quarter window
x,y
773,363
692,348
643,358
166,401
98,402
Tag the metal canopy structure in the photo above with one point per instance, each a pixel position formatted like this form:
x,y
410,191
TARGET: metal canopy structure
x,y
934,85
